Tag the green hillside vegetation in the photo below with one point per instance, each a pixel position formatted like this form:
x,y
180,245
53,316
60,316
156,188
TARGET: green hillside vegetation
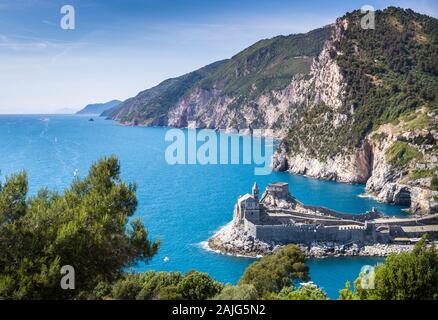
x,y
390,73
313,131
153,104
268,64
265,66
416,121
401,153
99,108
426,173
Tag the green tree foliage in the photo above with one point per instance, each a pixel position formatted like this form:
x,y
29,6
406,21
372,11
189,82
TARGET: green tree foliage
x,y
198,286
241,292
143,286
273,273
13,198
152,285
409,276
128,287
346,293
101,291
403,276
86,227
306,292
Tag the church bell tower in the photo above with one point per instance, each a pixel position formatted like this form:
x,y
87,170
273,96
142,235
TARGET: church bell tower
x,y
255,191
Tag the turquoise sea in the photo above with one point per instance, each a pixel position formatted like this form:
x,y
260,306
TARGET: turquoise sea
x,y
182,205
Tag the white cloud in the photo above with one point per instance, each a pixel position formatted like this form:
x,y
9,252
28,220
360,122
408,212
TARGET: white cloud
x,y
49,23
29,44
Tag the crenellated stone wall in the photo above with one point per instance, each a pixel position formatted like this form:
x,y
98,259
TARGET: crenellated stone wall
x,y
307,234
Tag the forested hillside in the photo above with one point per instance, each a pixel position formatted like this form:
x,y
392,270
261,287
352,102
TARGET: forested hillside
x,y
349,104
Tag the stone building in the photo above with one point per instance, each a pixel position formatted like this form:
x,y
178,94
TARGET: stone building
x,y
279,217
248,207
278,189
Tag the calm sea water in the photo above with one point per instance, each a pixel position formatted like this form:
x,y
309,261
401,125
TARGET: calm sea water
x,y
182,205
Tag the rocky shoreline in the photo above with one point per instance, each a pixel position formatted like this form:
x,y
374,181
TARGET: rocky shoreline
x,y
233,240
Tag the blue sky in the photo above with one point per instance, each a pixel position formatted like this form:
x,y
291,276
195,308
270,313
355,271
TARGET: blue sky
x,y
120,47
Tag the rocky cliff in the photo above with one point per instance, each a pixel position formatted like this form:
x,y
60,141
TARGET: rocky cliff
x,y
348,104
385,130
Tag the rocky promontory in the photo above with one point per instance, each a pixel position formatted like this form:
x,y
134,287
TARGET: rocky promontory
x,y
232,240
263,223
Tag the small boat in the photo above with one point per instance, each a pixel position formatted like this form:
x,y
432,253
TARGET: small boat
x,y
91,119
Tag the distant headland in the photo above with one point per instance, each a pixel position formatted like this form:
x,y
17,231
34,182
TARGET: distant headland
x,y
262,224
99,108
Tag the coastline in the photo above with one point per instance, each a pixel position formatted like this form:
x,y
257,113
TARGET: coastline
x,y
232,241
276,164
